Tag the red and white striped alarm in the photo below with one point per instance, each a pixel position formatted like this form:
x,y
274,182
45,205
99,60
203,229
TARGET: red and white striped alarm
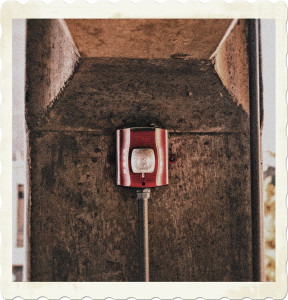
x,y
142,157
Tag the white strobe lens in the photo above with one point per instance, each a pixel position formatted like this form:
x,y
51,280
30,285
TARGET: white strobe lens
x,y
143,160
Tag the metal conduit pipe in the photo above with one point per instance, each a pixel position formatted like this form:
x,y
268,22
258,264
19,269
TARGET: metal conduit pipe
x,y
142,197
255,149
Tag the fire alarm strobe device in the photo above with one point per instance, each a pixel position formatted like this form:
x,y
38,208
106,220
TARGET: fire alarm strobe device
x,y
142,162
142,157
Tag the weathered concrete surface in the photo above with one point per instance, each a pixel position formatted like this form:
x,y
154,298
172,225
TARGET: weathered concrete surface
x,y
175,94
84,226
147,38
232,64
51,56
200,225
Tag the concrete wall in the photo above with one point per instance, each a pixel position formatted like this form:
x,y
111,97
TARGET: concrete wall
x,y
232,65
84,226
50,61
147,38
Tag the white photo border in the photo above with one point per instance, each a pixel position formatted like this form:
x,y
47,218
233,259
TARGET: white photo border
x,y
142,290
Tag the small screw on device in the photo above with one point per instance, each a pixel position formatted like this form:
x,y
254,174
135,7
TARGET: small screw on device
x,y
172,159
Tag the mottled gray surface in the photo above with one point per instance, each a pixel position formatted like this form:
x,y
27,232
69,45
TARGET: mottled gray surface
x,y
18,88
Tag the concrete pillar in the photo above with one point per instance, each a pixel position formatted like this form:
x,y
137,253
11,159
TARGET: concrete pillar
x,y
84,226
